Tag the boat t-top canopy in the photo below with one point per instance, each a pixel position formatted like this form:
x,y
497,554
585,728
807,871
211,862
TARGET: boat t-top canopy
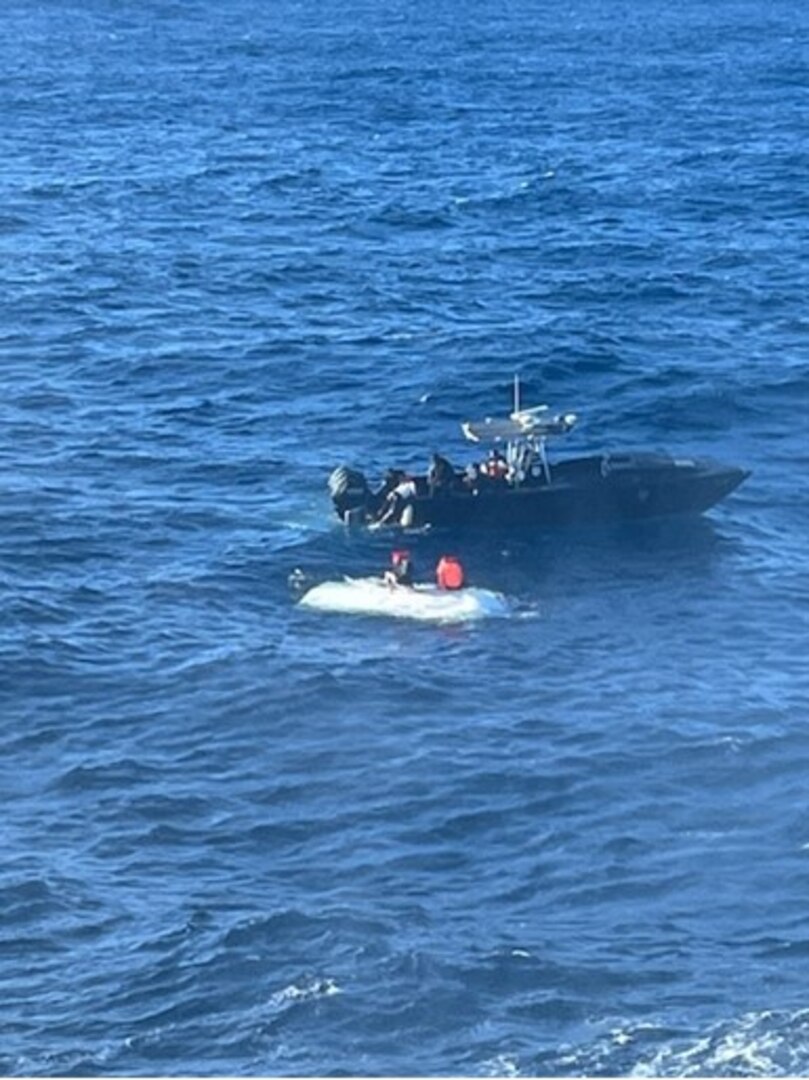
x,y
523,432
525,424
522,424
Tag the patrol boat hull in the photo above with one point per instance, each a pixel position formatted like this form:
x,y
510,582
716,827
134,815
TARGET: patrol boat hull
x,y
597,490
516,485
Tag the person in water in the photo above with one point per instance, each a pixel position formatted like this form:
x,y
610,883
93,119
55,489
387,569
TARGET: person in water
x,y
400,571
449,573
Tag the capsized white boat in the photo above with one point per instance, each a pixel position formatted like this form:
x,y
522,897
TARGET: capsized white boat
x,y
373,596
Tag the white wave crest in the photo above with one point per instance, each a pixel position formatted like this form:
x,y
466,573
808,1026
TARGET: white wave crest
x,y
305,990
765,1043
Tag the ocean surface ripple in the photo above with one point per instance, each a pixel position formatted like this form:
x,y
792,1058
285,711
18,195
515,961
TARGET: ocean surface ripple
x,y
243,243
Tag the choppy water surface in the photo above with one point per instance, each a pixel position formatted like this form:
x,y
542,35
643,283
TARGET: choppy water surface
x,y
242,243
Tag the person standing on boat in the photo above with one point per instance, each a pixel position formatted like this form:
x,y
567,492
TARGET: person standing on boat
x,y
495,467
400,571
440,475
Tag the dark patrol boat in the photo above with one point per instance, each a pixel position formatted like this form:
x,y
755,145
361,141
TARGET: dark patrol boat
x,y
516,485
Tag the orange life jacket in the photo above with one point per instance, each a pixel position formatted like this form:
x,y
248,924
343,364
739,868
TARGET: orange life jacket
x,y
449,573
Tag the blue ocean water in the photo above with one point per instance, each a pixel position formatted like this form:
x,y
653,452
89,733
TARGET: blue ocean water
x,y
242,243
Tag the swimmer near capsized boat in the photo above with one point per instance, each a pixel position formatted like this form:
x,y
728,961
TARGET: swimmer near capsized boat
x,y
448,600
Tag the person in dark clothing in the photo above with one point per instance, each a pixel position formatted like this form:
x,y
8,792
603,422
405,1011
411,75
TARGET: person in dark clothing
x,y
400,571
440,475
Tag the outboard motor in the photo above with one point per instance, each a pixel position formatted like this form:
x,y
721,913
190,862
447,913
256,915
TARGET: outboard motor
x,y
350,494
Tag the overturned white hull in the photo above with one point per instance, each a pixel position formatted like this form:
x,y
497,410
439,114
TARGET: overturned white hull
x,y
428,603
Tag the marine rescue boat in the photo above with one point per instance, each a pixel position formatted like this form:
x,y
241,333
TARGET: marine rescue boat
x,y
518,486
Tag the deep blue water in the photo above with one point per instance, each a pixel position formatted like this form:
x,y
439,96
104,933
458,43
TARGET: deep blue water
x,y
242,243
